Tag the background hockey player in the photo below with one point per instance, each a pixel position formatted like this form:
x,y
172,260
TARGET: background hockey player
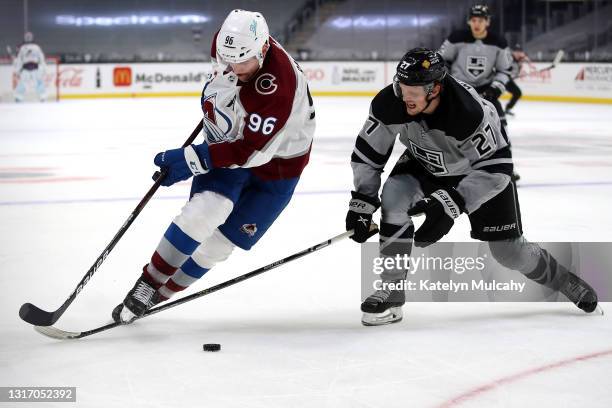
x,y
518,59
479,57
30,68
457,161
259,124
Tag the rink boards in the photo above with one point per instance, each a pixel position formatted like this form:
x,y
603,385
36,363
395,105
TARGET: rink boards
x,y
568,82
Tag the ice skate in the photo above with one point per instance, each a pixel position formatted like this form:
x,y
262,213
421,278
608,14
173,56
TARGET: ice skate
x,y
581,293
383,307
141,298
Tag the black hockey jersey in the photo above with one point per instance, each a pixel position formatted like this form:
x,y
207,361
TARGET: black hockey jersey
x,y
462,137
477,62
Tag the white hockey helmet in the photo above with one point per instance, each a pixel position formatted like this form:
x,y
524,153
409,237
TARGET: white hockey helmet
x,y
28,37
242,36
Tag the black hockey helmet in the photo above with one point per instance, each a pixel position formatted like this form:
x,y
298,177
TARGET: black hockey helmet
x,y
480,10
419,66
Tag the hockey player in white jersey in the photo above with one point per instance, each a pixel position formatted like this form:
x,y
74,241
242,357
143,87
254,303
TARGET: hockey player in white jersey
x,y
456,161
259,123
30,68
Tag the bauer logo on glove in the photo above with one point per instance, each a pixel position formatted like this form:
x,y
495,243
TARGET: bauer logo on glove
x,y
440,209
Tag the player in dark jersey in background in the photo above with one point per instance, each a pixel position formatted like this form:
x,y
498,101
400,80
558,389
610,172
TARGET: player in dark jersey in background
x,y
457,160
480,58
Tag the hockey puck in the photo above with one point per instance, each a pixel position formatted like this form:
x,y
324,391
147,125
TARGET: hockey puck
x,y
212,347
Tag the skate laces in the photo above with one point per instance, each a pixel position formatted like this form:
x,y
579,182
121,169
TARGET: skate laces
x,y
574,289
144,293
380,295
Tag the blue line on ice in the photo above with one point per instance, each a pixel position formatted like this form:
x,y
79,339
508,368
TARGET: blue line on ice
x,y
324,192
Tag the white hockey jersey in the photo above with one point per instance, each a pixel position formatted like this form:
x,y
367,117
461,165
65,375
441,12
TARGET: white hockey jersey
x,y
266,124
29,57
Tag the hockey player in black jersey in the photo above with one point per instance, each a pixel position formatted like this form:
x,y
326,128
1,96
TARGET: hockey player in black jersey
x,y
480,58
457,160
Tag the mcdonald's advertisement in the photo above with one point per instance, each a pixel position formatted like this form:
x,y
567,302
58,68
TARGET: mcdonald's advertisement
x,y
132,80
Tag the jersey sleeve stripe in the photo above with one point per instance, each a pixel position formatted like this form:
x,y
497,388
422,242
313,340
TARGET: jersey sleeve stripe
x,y
366,160
491,162
368,151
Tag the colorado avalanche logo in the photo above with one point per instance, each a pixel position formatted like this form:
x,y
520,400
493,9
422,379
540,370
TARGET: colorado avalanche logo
x,y
249,229
217,124
265,84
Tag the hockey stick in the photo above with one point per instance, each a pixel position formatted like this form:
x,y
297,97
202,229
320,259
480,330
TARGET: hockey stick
x,y
56,333
556,61
36,316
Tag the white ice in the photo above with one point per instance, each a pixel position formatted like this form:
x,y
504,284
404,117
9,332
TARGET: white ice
x,y
71,172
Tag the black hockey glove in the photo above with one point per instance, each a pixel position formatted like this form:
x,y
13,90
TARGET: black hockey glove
x,y
359,216
440,209
493,92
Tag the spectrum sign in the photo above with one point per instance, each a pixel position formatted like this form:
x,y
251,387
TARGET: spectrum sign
x,y
127,20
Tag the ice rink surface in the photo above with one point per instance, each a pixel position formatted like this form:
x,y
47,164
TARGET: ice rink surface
x,y
71,172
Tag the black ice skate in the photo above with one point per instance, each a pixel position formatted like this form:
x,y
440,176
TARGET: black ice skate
x,y
141,298
581,293
383,307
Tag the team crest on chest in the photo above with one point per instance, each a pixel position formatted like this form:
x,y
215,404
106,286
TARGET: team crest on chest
x,y
218,125
432,160
265,84
476,65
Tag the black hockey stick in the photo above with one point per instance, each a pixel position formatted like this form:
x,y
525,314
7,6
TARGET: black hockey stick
x,y
56,333
36,316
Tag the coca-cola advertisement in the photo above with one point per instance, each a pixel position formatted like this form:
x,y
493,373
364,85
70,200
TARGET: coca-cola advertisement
x,y
70,76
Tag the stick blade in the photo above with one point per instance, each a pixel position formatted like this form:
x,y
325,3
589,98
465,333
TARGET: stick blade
x,y
56,333
36,316
558,57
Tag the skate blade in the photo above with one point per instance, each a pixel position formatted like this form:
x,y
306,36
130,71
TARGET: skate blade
x,y
126,316
391,315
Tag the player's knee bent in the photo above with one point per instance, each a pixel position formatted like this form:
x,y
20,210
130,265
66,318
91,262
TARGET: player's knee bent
x,y
516,253
203,214
215,249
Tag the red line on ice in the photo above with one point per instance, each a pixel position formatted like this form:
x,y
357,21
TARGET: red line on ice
x,y
475,392
47,180
27,168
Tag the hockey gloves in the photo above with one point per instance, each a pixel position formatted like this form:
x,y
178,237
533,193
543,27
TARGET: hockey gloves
x,y
359,216
440,209
180,164
494,91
